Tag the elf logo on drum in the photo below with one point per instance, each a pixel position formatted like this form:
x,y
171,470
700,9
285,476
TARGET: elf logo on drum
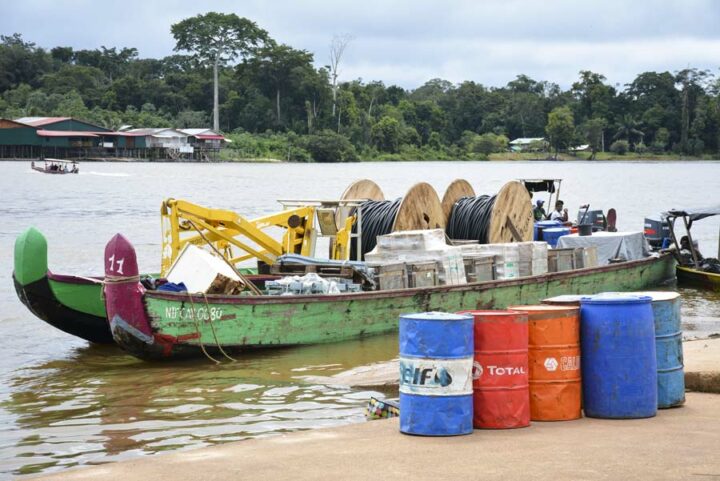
x,y
425,376
491,370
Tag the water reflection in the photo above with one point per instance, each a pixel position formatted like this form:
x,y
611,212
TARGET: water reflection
x,y
99,404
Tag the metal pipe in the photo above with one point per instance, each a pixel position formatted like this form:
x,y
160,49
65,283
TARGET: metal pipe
x,y
690,241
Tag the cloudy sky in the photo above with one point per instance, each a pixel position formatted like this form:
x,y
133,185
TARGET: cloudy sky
x,y
408,42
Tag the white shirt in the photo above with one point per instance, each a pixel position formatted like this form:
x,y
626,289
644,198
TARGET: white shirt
x,y
557,215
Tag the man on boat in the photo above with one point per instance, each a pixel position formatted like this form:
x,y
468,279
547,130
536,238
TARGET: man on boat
x,y
559,213
539,211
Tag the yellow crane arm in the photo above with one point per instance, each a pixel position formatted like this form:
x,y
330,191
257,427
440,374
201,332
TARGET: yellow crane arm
x,y
181,221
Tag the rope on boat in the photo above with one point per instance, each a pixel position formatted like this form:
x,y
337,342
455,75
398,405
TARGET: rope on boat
x,y
212,328
470,218
117,279
197,330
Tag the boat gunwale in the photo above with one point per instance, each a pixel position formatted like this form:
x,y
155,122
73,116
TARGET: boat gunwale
x,y
695,272
397,293
72,279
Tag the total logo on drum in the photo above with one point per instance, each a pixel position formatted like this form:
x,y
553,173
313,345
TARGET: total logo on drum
x,y
493,370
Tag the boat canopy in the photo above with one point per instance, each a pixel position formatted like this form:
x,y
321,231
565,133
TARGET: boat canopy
x,y
694,214
541,185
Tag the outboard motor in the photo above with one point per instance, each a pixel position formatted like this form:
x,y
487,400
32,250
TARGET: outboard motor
x,y
656,231
594,217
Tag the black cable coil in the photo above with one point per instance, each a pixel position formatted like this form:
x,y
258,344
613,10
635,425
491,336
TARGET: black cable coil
x,y
378,217
470,218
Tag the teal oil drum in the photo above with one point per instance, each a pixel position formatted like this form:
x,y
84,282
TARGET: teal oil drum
x,y
436,361
619,369
668,346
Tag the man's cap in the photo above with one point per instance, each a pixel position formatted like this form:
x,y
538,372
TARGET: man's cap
x,y
540,202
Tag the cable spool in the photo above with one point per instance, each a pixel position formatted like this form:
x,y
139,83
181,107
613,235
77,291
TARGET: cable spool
x,y
457,189
360,189
419,209
504,217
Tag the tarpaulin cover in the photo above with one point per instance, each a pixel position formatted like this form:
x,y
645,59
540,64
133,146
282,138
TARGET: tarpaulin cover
x,y
610,245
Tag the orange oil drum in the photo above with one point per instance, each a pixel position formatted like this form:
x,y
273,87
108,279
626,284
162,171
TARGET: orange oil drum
x,y
567,300
554,360
501,398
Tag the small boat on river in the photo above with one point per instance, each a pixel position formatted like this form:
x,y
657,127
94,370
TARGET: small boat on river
x,y
693,269
56,166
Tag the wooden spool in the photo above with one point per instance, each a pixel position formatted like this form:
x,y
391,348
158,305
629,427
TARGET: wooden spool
x,y
420,209
364,189
457,189
511,211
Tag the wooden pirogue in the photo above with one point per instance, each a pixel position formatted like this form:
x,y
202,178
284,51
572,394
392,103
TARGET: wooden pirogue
x,y
168,325
554,360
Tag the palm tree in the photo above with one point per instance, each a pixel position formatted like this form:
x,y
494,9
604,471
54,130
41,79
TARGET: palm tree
x,y
629,129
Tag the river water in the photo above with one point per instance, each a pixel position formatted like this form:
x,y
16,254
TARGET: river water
x,y
65,403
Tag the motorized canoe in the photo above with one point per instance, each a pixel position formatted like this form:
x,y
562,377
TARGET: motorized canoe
x,y
694,277
56,166
154,325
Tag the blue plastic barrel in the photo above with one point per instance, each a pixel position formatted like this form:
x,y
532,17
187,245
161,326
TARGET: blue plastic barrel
x,y
552,235
619,369
541,225
436,360
668,346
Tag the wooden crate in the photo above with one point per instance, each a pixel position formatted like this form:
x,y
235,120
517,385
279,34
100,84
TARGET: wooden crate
x,y
479,268
561,260
423,273
289,269
390,276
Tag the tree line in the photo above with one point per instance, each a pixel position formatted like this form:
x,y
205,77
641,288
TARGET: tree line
x,y
273,101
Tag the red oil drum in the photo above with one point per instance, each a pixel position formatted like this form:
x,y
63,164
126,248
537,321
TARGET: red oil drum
x,y
500,370
554,359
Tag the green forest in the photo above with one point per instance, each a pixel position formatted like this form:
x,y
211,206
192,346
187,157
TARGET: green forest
x,y
274,103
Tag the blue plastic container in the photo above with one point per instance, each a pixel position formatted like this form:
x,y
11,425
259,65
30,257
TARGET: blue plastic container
x,y
552,235
436,360
541,225
619,370
668,346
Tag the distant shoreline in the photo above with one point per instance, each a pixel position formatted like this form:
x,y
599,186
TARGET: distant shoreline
x,y
492,158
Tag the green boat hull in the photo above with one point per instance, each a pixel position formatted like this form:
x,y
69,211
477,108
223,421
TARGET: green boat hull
x,y
72,304
177,325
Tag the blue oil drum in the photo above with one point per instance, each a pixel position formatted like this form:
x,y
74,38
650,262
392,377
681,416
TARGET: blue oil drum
x,y
668,346
552,235
541,225
436,361
619,370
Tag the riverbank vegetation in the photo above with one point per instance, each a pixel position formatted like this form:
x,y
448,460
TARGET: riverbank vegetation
x,y
274,103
